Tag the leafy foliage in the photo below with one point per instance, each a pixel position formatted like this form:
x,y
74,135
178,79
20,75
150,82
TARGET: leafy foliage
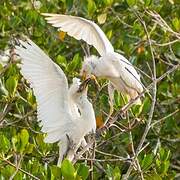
x,y
23,154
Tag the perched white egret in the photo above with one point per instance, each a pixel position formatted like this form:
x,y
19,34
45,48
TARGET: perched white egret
x,y
65,113
110,65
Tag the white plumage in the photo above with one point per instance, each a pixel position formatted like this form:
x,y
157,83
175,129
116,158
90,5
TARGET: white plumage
x,y
110,65
57,105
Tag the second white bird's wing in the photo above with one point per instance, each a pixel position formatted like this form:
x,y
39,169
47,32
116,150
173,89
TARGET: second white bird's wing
x,y
81,28
127,72
50,87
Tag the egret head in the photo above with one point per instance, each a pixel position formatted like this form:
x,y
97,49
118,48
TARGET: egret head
x,y
88,66
78,89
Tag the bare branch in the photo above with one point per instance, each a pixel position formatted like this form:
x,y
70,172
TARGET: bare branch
x,y
154,83
164,118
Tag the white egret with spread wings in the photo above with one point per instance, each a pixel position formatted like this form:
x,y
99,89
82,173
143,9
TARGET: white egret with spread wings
x,y
65,113
111,65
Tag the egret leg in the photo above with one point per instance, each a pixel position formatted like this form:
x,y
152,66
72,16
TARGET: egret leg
x,y
84,144
63,147
111,100
111,97
71,149
70,154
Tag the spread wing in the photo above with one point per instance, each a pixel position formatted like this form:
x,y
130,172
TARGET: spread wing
x,y
81,28
50,87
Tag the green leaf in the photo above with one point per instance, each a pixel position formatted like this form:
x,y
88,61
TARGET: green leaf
x,y
137,109
176,23
41,144
164,154
109,172
146,105
102,18
74,64
104,99
12,70
109,34
69,4
55,172
29,148
5,144
61,60
147,2
163,162
147,161
14,142
131,2
11,85
31,16
108,2
176,49
83,171
153,177
24,137
7,171
31,98
165,167
67,170
91,7
1,66
116,173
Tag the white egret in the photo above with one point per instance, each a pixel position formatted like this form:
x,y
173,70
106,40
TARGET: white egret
x,y
111,65
65,113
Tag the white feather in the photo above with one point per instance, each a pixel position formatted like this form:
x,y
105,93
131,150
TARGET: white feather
x,y
81,28
58,107
110,65
50,88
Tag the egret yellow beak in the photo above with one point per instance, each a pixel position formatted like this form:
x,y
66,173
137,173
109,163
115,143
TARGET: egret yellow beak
x,y
84,75
95,80
83,85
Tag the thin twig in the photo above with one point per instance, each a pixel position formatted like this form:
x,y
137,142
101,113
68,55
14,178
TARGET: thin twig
x,y
5,111
17,168
107,160
164,44
161,22
23,171
92,162
164,118
108,154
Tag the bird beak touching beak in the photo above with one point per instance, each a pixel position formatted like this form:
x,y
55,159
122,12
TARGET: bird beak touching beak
x,y
84,84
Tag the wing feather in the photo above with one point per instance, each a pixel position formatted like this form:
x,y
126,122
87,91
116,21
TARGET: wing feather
x,y
81,28
127,72
50,87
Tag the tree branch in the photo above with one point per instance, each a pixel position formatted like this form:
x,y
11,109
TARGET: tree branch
x,y
23,171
